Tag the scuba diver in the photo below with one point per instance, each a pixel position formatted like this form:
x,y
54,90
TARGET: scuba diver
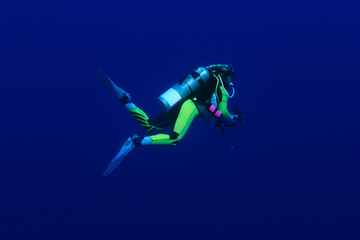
x,y
203,92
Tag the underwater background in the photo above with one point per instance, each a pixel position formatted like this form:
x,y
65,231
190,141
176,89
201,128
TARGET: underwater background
x,y
293,172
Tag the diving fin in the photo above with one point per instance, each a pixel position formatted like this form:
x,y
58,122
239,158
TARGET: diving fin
x,y
107,82
125,149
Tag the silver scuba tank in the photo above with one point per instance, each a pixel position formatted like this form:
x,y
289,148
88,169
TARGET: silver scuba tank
x,y
183,89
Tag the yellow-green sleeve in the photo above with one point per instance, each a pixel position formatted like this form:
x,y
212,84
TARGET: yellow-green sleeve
x,y
223,102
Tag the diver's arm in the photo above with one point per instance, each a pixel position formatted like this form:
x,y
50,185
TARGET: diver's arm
x,y
223,103
222,106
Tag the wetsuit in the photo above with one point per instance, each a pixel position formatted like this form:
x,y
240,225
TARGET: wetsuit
x,y
181,117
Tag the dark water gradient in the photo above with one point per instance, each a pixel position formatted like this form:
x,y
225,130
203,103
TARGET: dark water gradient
x,y
293,174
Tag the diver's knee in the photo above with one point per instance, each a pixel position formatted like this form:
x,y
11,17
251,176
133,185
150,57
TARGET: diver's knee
x,y
150,128
151,125
175,137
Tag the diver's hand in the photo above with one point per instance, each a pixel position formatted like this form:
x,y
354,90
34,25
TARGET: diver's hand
x,y
238,118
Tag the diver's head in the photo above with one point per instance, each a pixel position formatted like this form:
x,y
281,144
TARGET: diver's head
x,y
226,72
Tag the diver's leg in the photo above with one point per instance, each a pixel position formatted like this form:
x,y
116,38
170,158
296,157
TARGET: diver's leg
x,y
125,99
141,117
187,114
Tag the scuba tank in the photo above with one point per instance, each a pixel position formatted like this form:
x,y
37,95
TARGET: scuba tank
x,y
183,89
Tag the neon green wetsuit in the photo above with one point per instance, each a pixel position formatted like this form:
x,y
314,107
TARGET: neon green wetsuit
x,y
180,118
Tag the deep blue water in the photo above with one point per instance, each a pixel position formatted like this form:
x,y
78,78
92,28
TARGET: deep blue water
x,y
294,171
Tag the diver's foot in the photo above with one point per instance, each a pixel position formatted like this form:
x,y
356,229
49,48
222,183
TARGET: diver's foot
x,y
123,96
127,147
